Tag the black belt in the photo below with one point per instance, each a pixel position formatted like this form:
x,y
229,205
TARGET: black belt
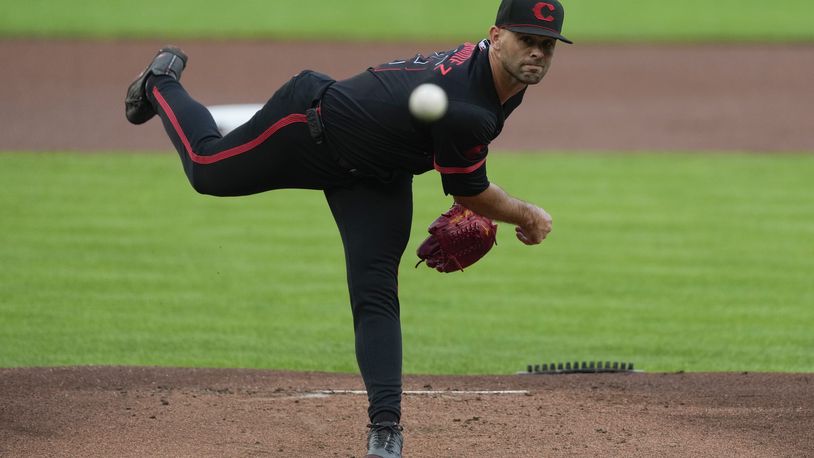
x,y
317,129
315,125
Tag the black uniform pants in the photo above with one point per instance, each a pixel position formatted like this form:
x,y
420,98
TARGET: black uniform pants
x,y
275,150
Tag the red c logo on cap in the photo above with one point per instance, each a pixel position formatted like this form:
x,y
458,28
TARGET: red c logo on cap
x,y
538,11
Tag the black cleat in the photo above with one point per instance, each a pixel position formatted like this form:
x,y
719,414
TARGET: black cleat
x,y
384,440
169,60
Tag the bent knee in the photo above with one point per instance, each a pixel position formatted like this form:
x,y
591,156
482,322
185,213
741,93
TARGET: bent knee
x,y
203,183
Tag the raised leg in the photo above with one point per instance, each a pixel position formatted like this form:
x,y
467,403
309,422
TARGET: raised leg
x,y
273,150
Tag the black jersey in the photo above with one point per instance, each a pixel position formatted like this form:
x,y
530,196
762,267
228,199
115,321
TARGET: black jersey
x,y
367,120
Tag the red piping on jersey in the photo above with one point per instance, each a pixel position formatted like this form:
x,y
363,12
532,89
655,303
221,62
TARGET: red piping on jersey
x,y
197,158
400,69
457,170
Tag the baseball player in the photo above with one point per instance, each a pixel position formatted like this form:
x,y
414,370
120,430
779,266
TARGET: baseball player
x,y
357,142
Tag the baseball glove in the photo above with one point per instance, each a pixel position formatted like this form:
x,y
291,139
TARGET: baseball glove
x,y
458,239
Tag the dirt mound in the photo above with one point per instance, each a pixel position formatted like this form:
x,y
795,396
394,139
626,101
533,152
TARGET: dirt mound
x,y
122,411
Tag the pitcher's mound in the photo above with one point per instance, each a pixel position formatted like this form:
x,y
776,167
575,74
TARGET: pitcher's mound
x,y
125,411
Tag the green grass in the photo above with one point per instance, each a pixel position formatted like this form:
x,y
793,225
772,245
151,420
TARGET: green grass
x,y
676,262
425,20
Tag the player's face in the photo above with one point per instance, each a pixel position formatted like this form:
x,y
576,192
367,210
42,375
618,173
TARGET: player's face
x,y
526,57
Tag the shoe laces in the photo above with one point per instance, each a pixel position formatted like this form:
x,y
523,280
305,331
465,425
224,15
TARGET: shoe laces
x,y
386,435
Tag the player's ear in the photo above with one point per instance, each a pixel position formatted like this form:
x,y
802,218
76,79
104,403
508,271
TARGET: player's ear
x,y
494,36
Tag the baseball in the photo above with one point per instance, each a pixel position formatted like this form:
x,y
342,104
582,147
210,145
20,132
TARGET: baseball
x,y
428,102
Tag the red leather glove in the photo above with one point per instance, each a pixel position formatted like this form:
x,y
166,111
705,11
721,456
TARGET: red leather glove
x,y
458,239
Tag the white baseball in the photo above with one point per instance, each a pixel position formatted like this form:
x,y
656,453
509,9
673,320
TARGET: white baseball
x,y
428,102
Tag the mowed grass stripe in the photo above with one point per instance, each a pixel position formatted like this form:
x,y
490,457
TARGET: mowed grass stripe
x,y
424,20
674,261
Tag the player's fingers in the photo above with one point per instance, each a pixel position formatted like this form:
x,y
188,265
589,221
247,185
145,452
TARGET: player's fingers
x,y
528,239
523,237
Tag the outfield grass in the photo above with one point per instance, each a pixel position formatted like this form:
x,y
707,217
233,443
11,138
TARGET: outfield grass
x,y
675,262
426,20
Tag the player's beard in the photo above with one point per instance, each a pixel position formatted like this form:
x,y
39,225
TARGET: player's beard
x,y
527,76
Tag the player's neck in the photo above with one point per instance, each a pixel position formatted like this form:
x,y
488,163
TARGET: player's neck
x,y
506,85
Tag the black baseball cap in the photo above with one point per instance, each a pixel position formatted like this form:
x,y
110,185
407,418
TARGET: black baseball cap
x,y
534,17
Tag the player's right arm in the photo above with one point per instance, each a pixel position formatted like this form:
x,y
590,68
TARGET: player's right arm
x,y
533,224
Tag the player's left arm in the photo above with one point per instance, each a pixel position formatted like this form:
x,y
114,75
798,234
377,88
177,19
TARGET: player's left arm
x,y
461,146
533,224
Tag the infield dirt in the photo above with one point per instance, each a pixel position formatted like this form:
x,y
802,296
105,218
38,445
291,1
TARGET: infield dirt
x,y
69,96
111,411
